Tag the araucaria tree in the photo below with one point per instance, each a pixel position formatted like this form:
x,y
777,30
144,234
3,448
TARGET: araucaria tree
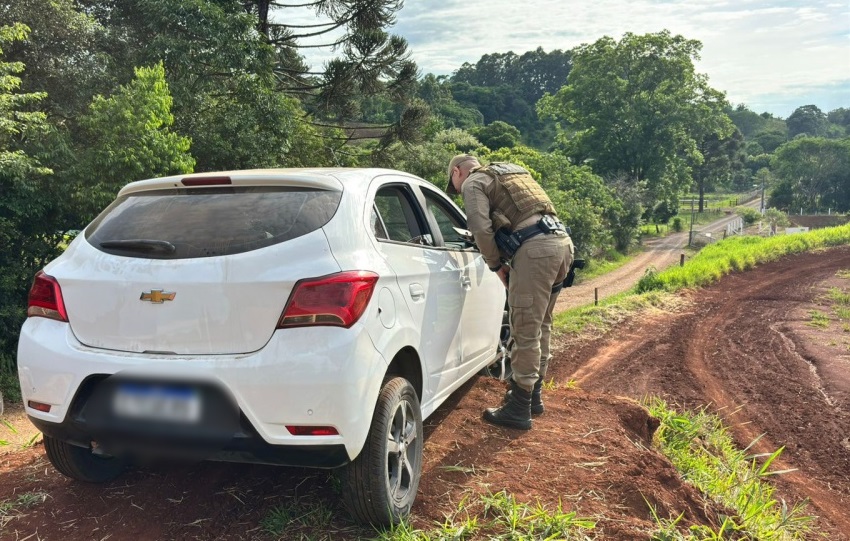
x,y
637,109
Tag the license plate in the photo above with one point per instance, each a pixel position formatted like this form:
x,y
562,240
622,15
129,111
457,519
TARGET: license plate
x,y
157,403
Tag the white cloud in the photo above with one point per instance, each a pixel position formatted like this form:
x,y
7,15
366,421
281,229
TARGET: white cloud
x,y
751,48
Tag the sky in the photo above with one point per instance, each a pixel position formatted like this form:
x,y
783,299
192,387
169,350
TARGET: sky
x,y
771,55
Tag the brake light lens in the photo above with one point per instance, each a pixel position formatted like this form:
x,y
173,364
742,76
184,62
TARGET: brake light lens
x,y
337,300
206,181
45,298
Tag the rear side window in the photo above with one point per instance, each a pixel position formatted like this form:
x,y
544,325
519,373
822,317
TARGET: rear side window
x,y
205,222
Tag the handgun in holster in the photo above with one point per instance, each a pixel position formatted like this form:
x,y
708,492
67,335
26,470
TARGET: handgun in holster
x,y
571,275
507,243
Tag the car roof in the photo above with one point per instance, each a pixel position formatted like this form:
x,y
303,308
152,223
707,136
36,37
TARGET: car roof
x,y
328,178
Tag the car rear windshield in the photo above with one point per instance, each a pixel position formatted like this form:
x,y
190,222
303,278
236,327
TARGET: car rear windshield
x,y
185,223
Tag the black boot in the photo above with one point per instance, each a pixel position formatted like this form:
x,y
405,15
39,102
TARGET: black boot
x,y
536,398
515,412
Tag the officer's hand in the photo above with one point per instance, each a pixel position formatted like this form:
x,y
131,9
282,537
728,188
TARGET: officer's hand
x,y
503,274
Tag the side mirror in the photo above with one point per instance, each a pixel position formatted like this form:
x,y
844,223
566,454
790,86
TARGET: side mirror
x,y
467,236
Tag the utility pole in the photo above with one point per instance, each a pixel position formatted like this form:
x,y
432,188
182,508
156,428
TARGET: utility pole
x,y
762,193
691,233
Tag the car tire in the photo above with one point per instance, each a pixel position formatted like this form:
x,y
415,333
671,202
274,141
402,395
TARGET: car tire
x,y
80,463
379,486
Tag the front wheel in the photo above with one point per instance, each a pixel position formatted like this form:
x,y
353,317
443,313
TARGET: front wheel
x,y
81,464
380,484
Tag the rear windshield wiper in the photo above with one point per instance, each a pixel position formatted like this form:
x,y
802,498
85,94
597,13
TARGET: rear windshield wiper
x,y
141,245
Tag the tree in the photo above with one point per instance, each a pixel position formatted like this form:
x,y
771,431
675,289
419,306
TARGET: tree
x,y
533,74
635,109
751,123
775,218
371,61
436,92
813,173
30,231
497,135
128,137
808,120
62,53
770,139
507,86
840,120
245,96
721,157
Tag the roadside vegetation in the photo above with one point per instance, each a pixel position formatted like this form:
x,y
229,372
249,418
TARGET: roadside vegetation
x,y
700,447
654,289
738,254
696,443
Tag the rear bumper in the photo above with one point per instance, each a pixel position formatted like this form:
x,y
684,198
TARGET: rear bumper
x,y
313,376
243,446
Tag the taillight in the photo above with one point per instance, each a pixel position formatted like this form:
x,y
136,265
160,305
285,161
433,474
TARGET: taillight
x,y
338,300
45,298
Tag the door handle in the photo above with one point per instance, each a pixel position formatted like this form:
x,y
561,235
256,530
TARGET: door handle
x,y
417,292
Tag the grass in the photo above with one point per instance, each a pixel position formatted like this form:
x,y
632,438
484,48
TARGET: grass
x,y
298,515
598,266
498,517
11,509
738,254
843,274
612,310
839,296
700,447
819,319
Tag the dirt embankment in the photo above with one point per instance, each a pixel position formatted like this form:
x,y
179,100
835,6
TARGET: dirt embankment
x,y
743,348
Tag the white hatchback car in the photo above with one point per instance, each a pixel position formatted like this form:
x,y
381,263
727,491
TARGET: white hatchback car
x,y
309,317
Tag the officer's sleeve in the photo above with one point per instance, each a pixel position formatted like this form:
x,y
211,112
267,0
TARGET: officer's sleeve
x,y
477,206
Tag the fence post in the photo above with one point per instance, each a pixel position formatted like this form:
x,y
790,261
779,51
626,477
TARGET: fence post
x,y
595,296
681,260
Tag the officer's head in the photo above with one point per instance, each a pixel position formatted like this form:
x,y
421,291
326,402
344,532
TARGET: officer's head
x,y
459,167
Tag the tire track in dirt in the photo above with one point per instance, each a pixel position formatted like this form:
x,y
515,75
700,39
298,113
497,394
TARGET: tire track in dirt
x,y
735,353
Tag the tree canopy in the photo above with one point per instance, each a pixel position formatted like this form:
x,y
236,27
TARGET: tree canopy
x,y
637,108
814,174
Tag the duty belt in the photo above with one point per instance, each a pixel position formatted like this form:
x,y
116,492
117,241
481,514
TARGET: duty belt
x,y
547,224
509,243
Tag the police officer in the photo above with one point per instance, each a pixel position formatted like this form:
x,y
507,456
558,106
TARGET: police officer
x,y
507,211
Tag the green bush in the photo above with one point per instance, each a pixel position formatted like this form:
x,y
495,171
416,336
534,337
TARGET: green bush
x,y
749,214
677,224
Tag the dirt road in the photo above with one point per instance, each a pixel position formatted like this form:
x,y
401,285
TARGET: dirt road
x,y
744,347
659,253
749,350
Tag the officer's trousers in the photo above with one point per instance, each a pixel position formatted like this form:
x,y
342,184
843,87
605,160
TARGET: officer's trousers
x,y
539,263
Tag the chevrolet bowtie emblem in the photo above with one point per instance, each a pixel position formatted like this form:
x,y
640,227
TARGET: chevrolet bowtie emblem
x,y
157,296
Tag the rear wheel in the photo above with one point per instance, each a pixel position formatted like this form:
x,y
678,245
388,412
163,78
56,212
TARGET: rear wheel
x,y
380,484
80,463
